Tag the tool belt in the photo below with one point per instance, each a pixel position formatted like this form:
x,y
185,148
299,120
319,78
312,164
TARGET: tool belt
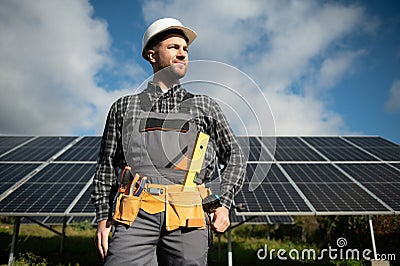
x,y
182,206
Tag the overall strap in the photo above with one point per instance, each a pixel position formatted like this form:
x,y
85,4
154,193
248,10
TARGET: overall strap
x,y
145,102
186,103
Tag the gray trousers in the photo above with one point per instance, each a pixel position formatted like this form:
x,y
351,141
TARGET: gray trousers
x,y
147,242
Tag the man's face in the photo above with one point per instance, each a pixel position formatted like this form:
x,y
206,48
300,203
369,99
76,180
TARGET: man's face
x,y
171,52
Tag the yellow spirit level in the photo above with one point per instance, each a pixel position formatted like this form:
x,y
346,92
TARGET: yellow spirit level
x,y
196,162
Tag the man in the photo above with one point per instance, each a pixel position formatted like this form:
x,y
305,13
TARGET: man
x,y
149,240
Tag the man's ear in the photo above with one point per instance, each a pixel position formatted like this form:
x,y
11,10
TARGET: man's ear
x,y
151,56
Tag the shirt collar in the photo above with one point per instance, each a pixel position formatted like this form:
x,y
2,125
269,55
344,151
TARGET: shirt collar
x,y
155,89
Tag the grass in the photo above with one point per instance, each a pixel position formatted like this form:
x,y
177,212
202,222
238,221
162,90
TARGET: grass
x,y
38,246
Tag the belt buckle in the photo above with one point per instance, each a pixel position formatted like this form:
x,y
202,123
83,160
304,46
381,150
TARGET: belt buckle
x,y
155,191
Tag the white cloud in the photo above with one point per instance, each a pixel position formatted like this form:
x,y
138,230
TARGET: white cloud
x,y
51,52
282,45
393,103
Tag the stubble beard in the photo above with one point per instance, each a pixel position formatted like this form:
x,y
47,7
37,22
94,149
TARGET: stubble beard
x,y
172,72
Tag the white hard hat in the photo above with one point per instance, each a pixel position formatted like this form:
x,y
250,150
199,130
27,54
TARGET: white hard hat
x,y
162,25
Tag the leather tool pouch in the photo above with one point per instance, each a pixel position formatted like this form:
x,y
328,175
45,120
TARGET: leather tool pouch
x,y
127,208
184,209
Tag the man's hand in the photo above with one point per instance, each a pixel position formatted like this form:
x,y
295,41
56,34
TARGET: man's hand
x,y
102,233
221,219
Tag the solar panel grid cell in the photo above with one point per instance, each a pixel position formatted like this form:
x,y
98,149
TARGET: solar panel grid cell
x,y
275,194
64,173
315,173
372,173
262,170
339,197
87,149
289,142
41,197
7,143
296,154
367,142
14,172
84,205
326,142
39,149
253,150
388,192
386,153
345,154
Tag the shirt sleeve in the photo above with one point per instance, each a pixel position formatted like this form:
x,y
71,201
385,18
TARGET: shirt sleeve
x,y
104,180
229,154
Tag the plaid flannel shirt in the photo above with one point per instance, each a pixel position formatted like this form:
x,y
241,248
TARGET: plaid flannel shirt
x,y
209,118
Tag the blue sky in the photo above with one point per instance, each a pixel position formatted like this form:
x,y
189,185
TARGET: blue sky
x,y
325,67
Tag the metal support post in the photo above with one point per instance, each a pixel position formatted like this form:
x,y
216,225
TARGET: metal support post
x,y
14,240
372,237
63,235
230,260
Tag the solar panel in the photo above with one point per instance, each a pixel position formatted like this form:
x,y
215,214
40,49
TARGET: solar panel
x,y
7,143
289,142
386,153
326,141
39,149
64,173
328,189
84,204
87,149
296,154
381,179
367,142
280,219
340,198
50,191
315,173
372,173
274,195
388,192
337,149
253,149
309,175
12,173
